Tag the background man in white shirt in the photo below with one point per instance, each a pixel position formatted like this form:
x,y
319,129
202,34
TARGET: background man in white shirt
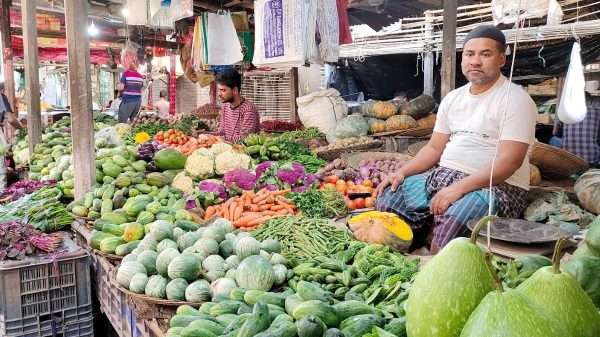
x,y
163,106
489,117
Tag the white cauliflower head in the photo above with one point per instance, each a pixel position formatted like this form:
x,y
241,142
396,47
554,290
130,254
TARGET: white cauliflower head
x,y
231,160
183,182
200,164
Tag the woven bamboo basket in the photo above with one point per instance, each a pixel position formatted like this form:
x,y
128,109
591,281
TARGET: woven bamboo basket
x,y
331,155
555,163
354,159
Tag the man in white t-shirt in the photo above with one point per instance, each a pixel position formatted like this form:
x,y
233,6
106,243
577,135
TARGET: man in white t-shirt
x,y
163,106
449,177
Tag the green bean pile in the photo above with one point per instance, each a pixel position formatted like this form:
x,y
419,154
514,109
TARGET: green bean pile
x,y
303,239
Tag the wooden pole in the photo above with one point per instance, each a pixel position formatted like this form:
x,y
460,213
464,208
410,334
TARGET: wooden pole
x,y
449,47
6,52
32,93
82,121
428,65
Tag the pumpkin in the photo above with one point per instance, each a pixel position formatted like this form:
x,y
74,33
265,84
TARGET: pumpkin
x,y
427,122
198,291
176,289
400,122
156,286
255,273
376,125
561,298
449,288
246,246
382,228
164,259
379,109
148,259
185,266
164,244
138,283
535,176
419,107
126,272
587,188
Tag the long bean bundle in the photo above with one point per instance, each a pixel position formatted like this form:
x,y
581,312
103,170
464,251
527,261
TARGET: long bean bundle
x,y
302,238
42,209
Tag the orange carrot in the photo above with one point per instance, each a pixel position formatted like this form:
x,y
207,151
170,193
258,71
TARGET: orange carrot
x,y
232,208
210,211
259,221
254,208
265,207
259,198
226,214
278,193
277,207
238,212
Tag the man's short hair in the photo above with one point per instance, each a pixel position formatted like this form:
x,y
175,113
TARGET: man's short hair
x,y
230,78
163,93
1,85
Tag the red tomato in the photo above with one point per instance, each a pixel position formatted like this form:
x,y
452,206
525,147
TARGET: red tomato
x,y
359,203
370,202
351,205
331,179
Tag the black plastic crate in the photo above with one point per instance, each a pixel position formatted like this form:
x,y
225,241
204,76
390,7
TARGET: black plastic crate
x,y
47,295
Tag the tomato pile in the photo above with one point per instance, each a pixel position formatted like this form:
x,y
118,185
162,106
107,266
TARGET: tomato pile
x,y
347,188
171,137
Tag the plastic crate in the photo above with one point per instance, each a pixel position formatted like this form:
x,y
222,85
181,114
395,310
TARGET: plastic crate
x,y
112,301
47,295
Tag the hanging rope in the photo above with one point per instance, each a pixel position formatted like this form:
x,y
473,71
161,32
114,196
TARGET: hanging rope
x,y
519,24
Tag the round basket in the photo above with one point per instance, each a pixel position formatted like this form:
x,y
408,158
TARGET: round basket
x,y
331,155
354,159
416,147
555,163
156,301
110,257
412,132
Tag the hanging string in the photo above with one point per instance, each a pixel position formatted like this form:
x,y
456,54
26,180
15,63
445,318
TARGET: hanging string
x,y
519,24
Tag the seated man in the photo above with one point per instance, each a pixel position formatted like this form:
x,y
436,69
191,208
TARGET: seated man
x,y
449,177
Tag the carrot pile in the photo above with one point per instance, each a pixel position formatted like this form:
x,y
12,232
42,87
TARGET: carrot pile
x,y
250,210
194,144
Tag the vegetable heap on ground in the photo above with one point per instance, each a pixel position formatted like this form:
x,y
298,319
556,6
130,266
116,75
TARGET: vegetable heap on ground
x,y
307,308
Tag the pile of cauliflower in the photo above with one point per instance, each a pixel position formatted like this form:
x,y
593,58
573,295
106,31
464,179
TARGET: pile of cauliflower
x,y
207,163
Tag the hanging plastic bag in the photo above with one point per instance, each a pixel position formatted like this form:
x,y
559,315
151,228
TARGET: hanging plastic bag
x,y
222,41
329,30
572,108
352,126
138,12
181,9
322,109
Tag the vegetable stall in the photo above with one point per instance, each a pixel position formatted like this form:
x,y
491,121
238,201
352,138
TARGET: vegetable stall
x,y
267,238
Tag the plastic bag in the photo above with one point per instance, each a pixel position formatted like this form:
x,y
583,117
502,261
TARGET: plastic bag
x,y
222,41
329,30
107,137
572,108
507,11
352,126
322,109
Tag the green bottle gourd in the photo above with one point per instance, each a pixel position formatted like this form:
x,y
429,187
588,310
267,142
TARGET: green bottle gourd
x,y
560,296
449,288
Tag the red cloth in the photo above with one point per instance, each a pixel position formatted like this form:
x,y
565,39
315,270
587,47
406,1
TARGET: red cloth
x,y
173,85
345,35
239,122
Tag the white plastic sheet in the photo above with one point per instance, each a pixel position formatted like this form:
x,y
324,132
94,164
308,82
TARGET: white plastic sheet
x,y
572,107
507,11
223,44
